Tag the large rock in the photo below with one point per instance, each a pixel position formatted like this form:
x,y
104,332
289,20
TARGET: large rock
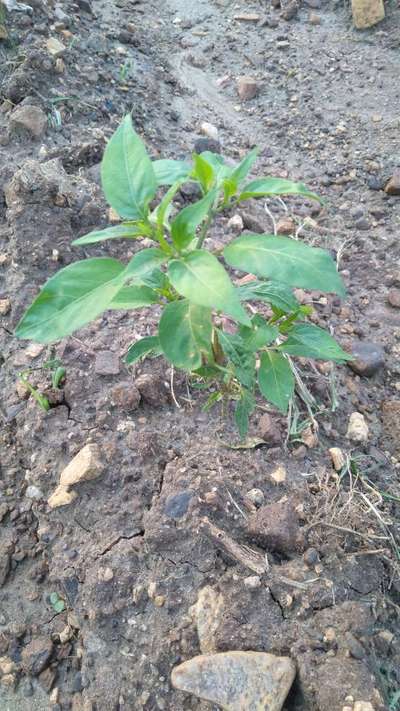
x,y
367,13
86,465
247,87
30,119
36,655
357,430
392,187
369,357
237,680
276,527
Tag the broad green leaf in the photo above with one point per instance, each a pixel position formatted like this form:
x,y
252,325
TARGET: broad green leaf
x,y
264,187
244,168
185,333
128,230
272,292
150,345
70,299
285,260
183,227
168,171
134,297
144,263
203,172
229,187
127,175
310,341
201,278
155,279
243,360
244,408
259,335
276,379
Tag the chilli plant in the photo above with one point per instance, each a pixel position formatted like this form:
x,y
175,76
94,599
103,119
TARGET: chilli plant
x,y
199,301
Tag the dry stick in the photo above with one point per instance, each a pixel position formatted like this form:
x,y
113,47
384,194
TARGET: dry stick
x,y
346,530
242,554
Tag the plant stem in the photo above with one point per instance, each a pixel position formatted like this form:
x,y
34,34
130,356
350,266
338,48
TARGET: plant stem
x,y
205,228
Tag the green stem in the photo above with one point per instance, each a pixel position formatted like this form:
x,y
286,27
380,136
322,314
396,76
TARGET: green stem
x,y
205,228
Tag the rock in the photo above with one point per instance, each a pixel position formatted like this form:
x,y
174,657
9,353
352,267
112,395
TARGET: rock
x,y
394,298
152,389
311,557
269,430
235,224
125,396
55,48
367,13
176,506
276,527
357,430
61,497
33,492
7,666
85,466
5,307
252,582
363,706
309,437
106,363
278,475
256,496
9,681
314,19
208,612
338,458
286,226
207,144
290,10
36,655
247,87
392,187
104,575
369,357
237,680
30,119
207,129
355,647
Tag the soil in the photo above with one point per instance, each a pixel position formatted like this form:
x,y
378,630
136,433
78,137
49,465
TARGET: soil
x,y
129,556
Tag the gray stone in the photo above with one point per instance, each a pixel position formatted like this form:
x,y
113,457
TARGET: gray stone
x,y
237,680
177,505
36,655
107,363
369,357
30,119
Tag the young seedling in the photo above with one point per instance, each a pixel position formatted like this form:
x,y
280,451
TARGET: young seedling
x,y
192,284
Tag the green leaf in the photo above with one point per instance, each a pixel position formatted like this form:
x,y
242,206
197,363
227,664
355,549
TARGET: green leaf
x,y
134,297
243,360
244,408
272,292
259,335
203,172
161,213
144,263
128,230
168,171
310,341
128,179
142,348
285,260
276,379
155,279
244,168
221,170
72,298
264,187
201,278
185,333
59,606
183,227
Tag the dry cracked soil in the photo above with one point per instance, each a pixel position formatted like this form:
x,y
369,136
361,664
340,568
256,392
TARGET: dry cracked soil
x,y
100,599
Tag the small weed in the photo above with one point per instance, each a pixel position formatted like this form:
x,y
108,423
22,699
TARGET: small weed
x,y
57,602
209,326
